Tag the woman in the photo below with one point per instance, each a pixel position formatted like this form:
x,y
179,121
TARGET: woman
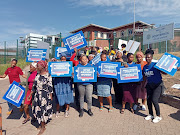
x,y
30,80
104,88
85,88
42,104
118,86
129,89
154,87
63,90
141,90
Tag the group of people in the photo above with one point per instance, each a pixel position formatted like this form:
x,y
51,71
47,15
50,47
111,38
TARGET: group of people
x,y
41,88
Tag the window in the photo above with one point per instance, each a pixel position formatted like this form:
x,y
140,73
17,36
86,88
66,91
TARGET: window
x,y
122,33
101,34
130,31
95,34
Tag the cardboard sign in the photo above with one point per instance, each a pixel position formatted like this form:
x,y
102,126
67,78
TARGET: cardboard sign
x,y
76,40
15,94
85,74
97,59
108,69
59,50
36,55
132,46
131,74
168,63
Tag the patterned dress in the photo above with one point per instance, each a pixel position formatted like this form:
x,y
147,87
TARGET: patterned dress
x,y
42,105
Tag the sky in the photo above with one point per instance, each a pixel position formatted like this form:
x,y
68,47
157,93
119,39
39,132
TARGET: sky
x,y
50,17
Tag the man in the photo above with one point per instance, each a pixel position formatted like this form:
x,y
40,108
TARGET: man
x,y
13,73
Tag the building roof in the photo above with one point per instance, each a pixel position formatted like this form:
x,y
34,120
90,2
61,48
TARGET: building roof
x,y
95,25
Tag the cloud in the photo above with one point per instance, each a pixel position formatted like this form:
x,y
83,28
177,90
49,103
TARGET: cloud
x,y
144,8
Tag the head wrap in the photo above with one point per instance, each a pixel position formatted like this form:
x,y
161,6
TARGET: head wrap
x,y
140,54
62,55
42,63
91,55
34,64
53,59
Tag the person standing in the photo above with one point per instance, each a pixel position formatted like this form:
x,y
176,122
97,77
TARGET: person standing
x,y
43,90
13,73
63,90
155,87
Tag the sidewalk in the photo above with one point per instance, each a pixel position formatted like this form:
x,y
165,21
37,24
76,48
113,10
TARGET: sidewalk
x,y
101,123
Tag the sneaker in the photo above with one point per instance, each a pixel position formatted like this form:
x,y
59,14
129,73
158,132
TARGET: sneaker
x,y
135,107
149,117
81,113
143,107
157,119
90,113
57,114
66,114
9,112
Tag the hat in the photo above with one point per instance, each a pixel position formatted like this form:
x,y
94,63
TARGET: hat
x,y
34,64
62,55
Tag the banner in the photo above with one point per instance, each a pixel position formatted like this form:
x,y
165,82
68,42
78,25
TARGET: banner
x,y
36,55
108,69
85,74
15,94
130,74
76,40
60,69
168,63
59,50
159,34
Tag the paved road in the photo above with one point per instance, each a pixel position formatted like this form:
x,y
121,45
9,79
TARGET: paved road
x,y
101,123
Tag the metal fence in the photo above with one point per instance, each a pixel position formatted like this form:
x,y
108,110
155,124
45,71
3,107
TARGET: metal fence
x,y
11,49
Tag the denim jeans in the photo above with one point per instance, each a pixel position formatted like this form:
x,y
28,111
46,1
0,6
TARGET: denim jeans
x,y
85,90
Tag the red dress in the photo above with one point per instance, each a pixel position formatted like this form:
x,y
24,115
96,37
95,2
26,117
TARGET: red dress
x,y
30,85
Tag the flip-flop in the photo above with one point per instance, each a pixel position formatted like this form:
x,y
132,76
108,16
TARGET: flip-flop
x,y
25,121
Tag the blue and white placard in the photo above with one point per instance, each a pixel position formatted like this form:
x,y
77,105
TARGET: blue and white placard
x,y
133,73
97,59
76,40
36,55
60,69
168,63
59,50
108,69
85,74
15,94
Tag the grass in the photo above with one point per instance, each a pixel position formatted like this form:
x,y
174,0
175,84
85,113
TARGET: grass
x,y
21,63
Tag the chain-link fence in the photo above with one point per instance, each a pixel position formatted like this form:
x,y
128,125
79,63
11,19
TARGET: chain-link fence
x,y
11,49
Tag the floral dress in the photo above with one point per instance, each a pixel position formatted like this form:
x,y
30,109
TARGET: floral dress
x,y
42,105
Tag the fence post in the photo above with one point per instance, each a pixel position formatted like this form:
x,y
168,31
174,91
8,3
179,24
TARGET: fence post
x,y
4,52
17,51
0,120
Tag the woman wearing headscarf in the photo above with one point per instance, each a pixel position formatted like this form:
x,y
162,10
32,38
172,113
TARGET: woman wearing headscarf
x,y
42,89
140,89
63,90
28,97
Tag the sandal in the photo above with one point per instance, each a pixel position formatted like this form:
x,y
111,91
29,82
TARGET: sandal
x,y
110,109
101,108
122,111
131,109
25,121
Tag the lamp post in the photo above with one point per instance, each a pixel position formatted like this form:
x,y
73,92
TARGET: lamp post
x,y
134,23
114,35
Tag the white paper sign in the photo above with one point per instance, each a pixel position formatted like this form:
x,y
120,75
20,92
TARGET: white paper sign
x,y
122,42
132,46
159,34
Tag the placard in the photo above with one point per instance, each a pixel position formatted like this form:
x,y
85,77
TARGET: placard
x,y
15,94
60,69
97,59
108,69
133,73
132,46
36,55
76,40
59,50
168,63
85,74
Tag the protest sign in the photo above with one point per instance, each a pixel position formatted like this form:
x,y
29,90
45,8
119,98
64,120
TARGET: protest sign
x,y
108,69
60,69
168,63
36,55
85,74
133,73
59,50
120,43
97,58
15,94
76,40
132,46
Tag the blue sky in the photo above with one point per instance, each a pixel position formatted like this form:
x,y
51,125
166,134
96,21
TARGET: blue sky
x,y
20,17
